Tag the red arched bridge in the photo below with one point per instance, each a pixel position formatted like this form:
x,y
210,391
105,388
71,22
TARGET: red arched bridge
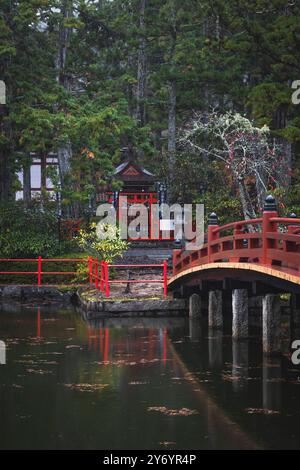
x,y
262,255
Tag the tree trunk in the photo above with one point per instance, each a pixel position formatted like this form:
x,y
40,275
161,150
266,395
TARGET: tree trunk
x,y
247,207
260,191
130,92
64,153
172,105
283,175
6,193
142,68
26,184
5,177
172,134
64,35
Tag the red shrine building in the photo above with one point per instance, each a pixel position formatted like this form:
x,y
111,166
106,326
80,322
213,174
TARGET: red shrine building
x,y
138,184
140,187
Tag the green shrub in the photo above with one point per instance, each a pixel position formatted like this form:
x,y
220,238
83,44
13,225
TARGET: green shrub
x,y
27,232
107,248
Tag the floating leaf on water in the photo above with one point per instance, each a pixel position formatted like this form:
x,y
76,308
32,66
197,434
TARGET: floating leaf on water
x,y
39,371
17,386
84,387
138,382
264,411
167,443
55,353
230,378
173,412
24,361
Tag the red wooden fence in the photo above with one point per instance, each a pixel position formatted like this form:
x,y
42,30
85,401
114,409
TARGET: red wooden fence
x,y
40,262
99,275
98,271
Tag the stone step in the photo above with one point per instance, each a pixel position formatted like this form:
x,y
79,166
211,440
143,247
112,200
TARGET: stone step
x,y
148,253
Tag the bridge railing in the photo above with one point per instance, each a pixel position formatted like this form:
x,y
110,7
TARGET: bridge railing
x,y
269,240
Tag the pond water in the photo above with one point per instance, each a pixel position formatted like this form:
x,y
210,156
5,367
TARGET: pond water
x,y
139,384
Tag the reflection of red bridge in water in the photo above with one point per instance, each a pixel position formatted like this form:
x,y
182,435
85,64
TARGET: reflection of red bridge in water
x,y
151,347
144,349
249,257
156,350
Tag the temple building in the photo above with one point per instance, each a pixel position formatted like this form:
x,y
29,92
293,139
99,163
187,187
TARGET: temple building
x,y
34,178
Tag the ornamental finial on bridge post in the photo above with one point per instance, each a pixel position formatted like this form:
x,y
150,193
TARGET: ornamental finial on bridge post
x,y
292,226
270,204
213,219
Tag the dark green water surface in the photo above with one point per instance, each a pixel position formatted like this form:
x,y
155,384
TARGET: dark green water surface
x,y
139,384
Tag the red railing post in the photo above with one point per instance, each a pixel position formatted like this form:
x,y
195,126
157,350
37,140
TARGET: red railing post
x,y
90,265
286,245
101,276
39,271
237,243
270,211
96,273
211,236
165,273
106,270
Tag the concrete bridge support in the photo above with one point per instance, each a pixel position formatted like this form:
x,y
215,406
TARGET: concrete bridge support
x,y
195,306
215,315
271,323
239,313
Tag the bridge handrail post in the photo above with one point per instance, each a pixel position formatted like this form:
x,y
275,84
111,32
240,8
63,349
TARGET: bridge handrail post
x,y
292,227
211,236
270,210
290,230
236,243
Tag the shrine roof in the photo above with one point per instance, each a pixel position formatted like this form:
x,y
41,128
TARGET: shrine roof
x,y
132,171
